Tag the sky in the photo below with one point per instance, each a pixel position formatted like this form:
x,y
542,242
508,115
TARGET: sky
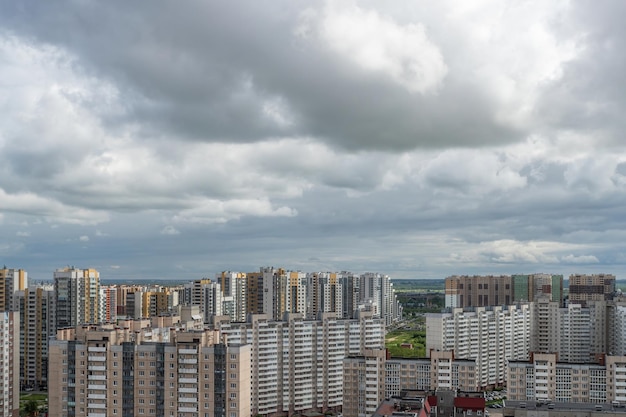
x,y
173,140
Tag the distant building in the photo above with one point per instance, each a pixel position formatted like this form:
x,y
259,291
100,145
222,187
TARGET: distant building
x,y
597,287
77,296
485,291
11,280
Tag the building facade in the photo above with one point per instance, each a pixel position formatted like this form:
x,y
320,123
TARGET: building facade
x,y
297,364
596,287
490,336
38,323
544,378
100,371
77,296
11,280
9,364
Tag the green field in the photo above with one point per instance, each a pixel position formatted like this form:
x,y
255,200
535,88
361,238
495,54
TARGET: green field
x,y
41,399
417,338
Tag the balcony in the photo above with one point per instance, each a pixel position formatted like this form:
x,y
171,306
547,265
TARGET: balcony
x,y
97,377
97,368
190,361
97,358
187,380
96,397
187,400
96,387
97,405
187,409
188,390
187,371
96,415
187,351
96,349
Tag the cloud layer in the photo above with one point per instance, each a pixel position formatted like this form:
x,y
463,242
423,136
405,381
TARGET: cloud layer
x,y
175,141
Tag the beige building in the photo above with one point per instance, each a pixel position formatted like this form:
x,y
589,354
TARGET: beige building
x,y
597,287
543,378
38,324
364,383
478,291
114,371
9,364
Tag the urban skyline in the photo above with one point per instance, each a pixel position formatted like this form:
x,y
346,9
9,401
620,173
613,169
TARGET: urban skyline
x,y
164,140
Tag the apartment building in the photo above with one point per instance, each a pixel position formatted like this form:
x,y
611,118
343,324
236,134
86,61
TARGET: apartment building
x,y
108,303
483,291
38,323
11,280
9,364
99,371
585,288
297,364
544,378
441,370
276,291
364,383
489,335
77,296
234,292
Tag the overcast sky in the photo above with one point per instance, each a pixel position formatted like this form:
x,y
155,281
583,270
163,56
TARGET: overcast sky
x,y
165,139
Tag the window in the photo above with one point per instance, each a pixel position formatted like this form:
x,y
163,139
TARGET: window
x,y
233,366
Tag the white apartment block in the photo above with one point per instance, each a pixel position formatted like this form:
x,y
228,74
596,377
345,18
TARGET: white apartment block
x,y
545,379
100,371
297,364
491,336
38,323
9,363
440,371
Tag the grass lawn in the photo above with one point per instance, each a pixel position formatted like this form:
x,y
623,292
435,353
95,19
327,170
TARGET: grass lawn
x,y
417,338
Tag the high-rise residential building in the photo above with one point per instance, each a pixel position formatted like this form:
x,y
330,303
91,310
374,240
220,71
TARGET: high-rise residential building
x,y
350,294
204,293
37,325
364,383
544,378
597,287
376,290
297,364
234,294
11,280
77,296
108,303
527,288
99,371
478,291
484,291
490,336
9,364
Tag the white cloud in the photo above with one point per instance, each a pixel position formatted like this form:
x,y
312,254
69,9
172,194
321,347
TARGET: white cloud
x,y
581,259
376,43
22,234
84,238
169,230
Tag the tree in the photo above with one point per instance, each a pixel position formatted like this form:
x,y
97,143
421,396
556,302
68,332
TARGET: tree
x,y
31,408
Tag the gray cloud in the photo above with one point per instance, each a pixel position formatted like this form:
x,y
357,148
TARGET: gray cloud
x,y
183,140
